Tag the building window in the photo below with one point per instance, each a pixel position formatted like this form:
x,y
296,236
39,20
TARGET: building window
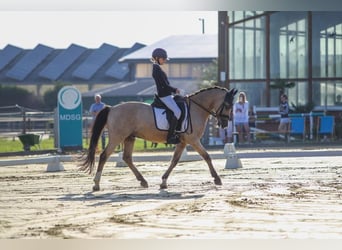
x,y
326,93
298,95
143,70
327,44
288,45
235,16
255,92
247,49
181,70
173,70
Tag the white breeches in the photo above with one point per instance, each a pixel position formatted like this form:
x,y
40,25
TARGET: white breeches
x,y
171,104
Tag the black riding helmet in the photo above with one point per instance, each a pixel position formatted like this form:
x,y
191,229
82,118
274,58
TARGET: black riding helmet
x,y
159,53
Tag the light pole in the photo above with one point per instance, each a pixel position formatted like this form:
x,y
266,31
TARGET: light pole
x,y
202,20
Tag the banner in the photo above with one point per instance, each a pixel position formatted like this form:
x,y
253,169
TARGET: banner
x,y
70,118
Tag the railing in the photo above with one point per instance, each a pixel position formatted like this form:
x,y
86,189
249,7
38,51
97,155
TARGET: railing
x,y
17,121
264,125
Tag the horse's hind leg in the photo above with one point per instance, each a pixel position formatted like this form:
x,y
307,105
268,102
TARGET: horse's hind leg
x,y
103,158
201,150
175,159
127,157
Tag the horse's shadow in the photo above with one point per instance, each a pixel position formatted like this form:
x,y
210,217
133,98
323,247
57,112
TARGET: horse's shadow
x,y
105,198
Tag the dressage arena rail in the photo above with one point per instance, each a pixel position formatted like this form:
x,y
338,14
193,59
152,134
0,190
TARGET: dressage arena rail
x,y
192,156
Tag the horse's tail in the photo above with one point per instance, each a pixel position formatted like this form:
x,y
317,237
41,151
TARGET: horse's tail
x,y
100,122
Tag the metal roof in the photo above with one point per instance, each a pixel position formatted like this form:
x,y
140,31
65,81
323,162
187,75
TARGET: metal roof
x,y
96,59
121,70
141,87
29,62
79,65
118,70
8,54
31,67
61,62
180,47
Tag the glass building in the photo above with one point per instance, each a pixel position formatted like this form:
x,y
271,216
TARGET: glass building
x,y
303,47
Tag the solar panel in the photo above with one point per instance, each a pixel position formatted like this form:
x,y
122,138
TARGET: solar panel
x,y
29,62
118,70
95,61
8,54
135,47
62,62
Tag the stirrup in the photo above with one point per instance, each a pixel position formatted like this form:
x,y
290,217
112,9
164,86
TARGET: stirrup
x,y
174,139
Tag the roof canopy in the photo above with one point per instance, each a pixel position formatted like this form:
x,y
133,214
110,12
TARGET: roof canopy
x,y
180,47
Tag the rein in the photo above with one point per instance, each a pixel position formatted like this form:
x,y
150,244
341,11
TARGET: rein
x,y
215,114
205,109
221,118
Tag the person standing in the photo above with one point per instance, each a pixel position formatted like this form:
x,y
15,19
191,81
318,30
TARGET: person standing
x,y
226,134
165,91
284,125
241,117
338,100
95,108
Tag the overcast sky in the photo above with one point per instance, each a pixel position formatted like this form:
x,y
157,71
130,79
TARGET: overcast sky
x,y
59,29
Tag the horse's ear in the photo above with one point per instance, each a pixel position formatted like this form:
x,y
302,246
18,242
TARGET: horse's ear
x,y
233,92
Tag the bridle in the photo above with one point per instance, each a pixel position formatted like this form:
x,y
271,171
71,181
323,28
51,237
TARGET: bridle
x,y
218,113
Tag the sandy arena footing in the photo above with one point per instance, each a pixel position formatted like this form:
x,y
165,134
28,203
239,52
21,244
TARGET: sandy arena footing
x,y
268,198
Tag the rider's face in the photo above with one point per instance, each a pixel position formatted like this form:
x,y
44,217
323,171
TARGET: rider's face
x,y
162,61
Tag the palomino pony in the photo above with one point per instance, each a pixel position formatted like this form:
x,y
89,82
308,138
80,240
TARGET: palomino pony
x,y
129,120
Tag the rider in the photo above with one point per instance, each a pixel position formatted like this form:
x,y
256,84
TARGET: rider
x,y
164,91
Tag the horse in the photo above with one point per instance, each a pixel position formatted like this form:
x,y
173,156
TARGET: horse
x,y
129,120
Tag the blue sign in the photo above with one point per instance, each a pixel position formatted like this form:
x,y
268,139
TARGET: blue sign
x,y
70,118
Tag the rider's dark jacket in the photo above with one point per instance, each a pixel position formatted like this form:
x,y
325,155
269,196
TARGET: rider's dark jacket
x,y
160,78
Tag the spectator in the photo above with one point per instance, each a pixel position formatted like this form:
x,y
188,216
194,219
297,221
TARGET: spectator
x,y
284,125
338,100
95,108
226,134
241,117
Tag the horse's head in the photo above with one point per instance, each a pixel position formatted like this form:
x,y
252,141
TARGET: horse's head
x,y
224,112
217,101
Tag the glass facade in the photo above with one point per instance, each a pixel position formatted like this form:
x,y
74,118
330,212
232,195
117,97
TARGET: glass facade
x,y
288,45
236,16
298,95
256,92
327,44
247,50
303,47
326,93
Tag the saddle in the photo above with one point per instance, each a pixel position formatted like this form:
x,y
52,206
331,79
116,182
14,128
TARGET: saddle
x,y
161,111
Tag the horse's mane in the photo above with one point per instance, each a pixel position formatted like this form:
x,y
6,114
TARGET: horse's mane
x,y
209,88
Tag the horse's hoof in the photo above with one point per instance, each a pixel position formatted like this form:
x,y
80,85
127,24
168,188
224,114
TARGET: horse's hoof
x,y
218,181
96,188
163,186
144,184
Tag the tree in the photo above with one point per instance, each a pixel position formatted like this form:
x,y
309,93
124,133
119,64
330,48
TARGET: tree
x,y
282,85
11,96
209,75
50,96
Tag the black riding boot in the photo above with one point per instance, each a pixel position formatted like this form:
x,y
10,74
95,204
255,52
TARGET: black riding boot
x,y
172,136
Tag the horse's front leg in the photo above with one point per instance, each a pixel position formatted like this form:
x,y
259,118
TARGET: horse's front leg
x,y
175,159
201,150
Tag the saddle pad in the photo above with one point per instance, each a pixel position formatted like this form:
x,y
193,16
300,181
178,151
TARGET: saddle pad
x,y
162,122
